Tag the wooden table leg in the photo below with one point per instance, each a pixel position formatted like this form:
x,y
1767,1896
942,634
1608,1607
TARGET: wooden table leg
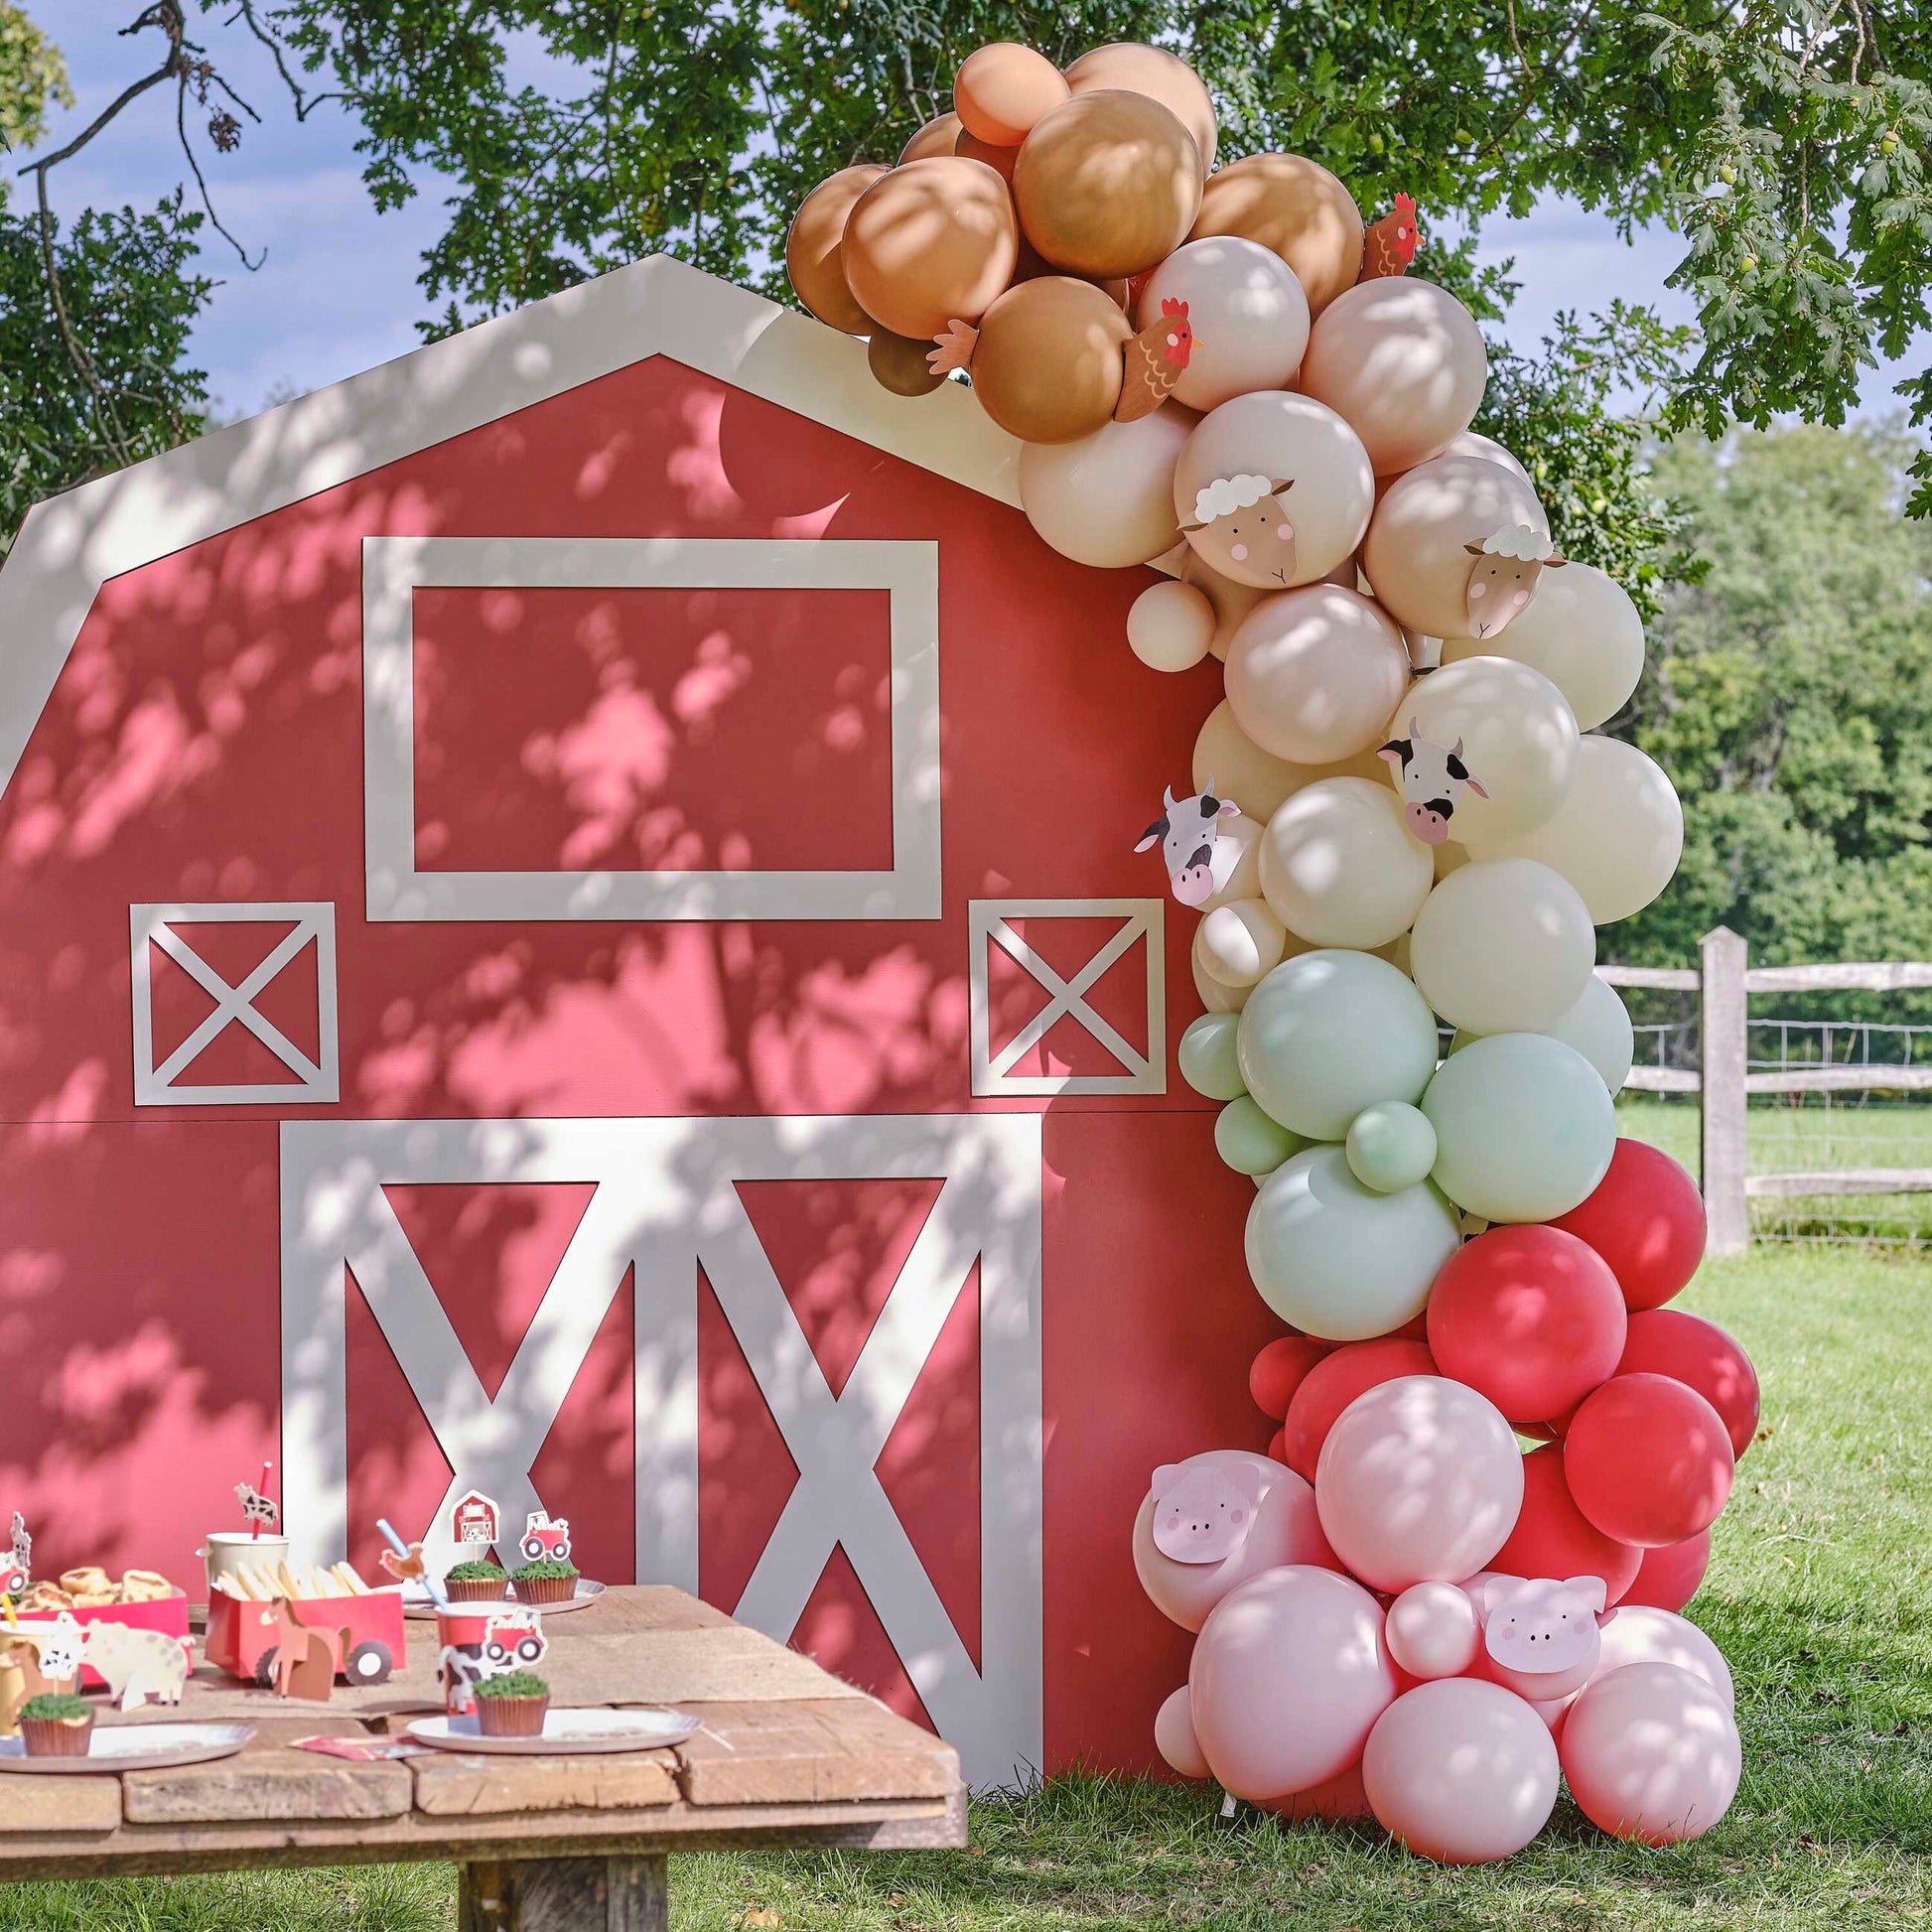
x,y
565,1895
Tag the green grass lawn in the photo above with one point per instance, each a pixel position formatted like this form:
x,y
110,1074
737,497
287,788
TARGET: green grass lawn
x,y
1819,1595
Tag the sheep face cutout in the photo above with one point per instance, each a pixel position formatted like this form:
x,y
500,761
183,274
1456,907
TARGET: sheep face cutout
x,y
1242,528
1186,832
1540,1636
1431,777
1503,576
1203,1513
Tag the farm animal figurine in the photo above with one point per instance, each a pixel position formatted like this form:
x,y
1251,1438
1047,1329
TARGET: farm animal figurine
x,y
1248,528
21,1549
1154,363
405,1570
1540,1636
1389,245
140,1666
1503,576
546,1538
256,1507
47,1655
306,1659
1186,832
1202,1511
1431,779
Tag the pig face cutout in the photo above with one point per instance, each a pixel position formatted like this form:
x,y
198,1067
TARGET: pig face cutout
x,y
1204,1515
1540,1636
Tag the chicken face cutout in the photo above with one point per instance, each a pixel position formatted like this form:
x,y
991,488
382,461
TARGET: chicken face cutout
x,y
1242,528
1153,361
1539,1635
1503,578
1202,1512
1389,245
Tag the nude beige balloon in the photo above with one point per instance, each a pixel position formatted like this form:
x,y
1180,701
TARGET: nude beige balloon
x,y
1314,673
1003,88
812,259
1416,556
940,136
930,241
1473,443
898,363
1107,500
1137,69
1402,361
1108,183
1295,207
1255,779
1047,363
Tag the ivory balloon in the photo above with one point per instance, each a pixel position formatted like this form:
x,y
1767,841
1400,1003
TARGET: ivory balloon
x,y
1236,865
1242,940
1207,965
932,240
1314,673
1402,361
1248,314
1519,743
898,363
1107,183
1296,207
1599,1028
1582,631
1326,492
1107,500
1212,994
1255,779
1137,69
1170,627
812,244
1502,945
1339,868
1003,88
1047,363
1618,835
1416,555
940,136
1652,1752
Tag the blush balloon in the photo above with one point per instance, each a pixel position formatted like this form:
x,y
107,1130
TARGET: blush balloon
x,y
1247,311
1279,1371
1255,779
1296,207
1668,1579
1691,1350
1553,1537
1003,89
1433,1631
1314,673
1170,627
1648,1460
1338,1800
1132,67
1646,1220
1652,1754
1529,1316
931,241
1328,1386
1641,1633
1108,498
1173,1736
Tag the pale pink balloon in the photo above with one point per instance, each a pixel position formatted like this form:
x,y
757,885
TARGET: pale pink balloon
x,y
1283,1528
1461,1771
1313,674
1288,1676
1432,1631
1420,1480
1173,1736
1245,309
1339,1800
1651,1753
1638,1633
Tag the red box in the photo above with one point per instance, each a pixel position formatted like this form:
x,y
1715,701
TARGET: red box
x,y
240,1635
168,1614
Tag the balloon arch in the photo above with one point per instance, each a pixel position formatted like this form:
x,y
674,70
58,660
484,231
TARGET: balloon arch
x,y
1404,821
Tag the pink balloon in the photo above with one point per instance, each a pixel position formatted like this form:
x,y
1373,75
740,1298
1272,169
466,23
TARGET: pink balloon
x,y
1433,1631
1338,1799
1283,1528
1461,1771
1651,1753
1288,1676
1173,1736
1419,1480
1638,1633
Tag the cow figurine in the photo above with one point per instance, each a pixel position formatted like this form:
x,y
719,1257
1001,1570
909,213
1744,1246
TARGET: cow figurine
x,y
1186,832
1539,1635
1202,1511
1431,777
256,1507
139,1666
546,1538
1503,578
1241,527
21,1552
52,1649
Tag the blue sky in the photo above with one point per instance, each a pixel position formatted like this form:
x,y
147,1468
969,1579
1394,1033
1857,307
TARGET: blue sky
x,y
338,289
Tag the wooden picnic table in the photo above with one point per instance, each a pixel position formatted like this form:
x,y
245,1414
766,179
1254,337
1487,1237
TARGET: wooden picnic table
x,y
788,1756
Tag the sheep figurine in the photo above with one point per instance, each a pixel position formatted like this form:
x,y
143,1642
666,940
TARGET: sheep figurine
x,y
1241,528
1503,576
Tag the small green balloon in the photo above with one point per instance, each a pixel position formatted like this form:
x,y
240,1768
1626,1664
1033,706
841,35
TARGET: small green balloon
x,y
1207,1056
1390,1145
1249,1142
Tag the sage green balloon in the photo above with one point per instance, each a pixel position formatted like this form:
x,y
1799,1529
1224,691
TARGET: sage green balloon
x,y
1249,1142
1207,1056
1390,1145
1524,1126
1329,1033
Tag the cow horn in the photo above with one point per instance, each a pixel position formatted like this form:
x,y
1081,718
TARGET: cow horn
x,y
1168,800
1455,751
1414,725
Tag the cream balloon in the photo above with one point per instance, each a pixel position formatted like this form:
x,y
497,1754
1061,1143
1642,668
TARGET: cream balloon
x,y
1235,867
1582,631
1255,779
1402,363
1314,673
1212,994
1170,627
1415,553
1247,311
1324,490
1339,868
1618,835
1639,1633
1241,941
1205,962
1518,738
1108,498
1502,945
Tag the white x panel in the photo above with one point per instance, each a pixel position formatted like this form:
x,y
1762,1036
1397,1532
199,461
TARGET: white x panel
x,y
664,1202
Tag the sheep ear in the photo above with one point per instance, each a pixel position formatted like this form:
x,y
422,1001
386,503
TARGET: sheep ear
x,y
1191,526
1554,563
1276,487
1474,549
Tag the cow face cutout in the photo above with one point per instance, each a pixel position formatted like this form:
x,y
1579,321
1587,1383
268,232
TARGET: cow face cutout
x,y
1186,832
1432,779
1202,1512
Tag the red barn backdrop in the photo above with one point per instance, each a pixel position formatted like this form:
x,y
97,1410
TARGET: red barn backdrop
x,y
568,925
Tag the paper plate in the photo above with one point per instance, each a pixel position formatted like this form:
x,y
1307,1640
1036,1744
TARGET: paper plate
x,y
133,1747
415,1602
566,1733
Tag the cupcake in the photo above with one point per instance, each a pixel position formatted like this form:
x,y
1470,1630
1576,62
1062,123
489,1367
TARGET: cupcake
x,y
551,1580
51,1725
481,1582
513,1705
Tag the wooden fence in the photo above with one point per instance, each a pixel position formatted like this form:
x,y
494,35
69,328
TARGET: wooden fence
x,y
1724,981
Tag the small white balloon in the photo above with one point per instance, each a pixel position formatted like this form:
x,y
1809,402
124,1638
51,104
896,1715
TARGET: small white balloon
x,y
1170,627
1212,994
1339,868
1107,500
1245,309
1314,673
1582,631
1241,941
1502,945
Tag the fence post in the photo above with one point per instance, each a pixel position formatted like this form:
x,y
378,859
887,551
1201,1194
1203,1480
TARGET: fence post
x,y
1723,1015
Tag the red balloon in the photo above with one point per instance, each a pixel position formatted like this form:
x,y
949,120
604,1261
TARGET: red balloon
x,y
1649,1461
1646,1220
1529,1317
1551,1537
1277,1452
1668,1579
1334,1383
1667,1342
1278,1370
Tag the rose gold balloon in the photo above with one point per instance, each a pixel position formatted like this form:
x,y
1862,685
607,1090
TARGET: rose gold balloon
x,y
1108,183
898,363
1003,88
931,241
1134,67
938,136
1048,365
1298,209
812,249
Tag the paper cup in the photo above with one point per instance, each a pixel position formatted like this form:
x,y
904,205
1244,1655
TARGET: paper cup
x,y
463,1634
228,1550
